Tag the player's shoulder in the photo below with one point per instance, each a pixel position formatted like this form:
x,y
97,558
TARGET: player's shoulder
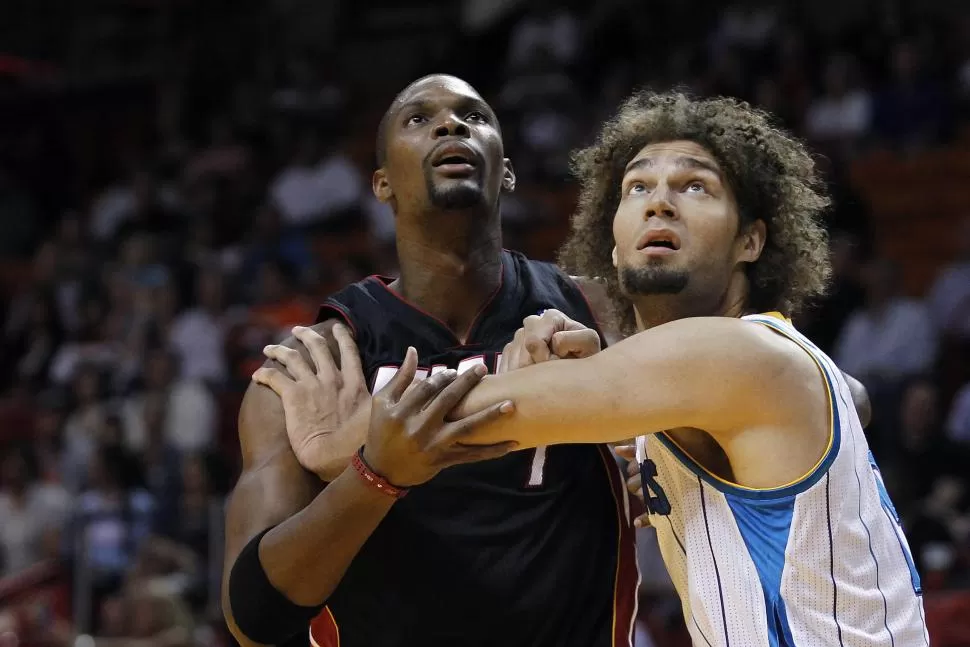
x,y
779,357
357,304
366,289
540,275
750,345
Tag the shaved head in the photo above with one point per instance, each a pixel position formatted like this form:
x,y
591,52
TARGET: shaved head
x,y
402,97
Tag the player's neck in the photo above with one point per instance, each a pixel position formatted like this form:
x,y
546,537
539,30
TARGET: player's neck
x,y
657,309
449,277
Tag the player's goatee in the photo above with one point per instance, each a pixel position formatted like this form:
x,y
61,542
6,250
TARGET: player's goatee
x,y
460,196
653,280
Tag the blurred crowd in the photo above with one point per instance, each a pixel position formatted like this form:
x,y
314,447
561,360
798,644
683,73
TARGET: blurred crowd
x,y
147,264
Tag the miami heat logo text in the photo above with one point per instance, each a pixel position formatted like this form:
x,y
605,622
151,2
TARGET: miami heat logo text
x,y
384,374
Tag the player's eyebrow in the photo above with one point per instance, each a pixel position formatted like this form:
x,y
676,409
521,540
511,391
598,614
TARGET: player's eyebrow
x,y
419,105
462,104
682,161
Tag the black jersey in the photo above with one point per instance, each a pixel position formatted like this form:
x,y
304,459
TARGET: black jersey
x,y
534,549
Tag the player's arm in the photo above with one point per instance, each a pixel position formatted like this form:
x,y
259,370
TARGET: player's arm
x,y
598,298
311,526
719,374
860,398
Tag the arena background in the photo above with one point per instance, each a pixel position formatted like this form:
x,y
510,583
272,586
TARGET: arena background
x,y
183,180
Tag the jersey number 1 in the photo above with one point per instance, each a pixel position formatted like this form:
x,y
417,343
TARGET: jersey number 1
x,y
538,468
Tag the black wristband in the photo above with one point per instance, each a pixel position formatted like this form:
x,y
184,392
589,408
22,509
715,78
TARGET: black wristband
x,y
260,611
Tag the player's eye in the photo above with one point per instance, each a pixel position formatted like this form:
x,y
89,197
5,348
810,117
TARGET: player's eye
x,y
637,188
696,187
477,117
414,120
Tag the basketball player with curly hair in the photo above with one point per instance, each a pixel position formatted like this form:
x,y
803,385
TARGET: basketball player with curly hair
x,y
770,511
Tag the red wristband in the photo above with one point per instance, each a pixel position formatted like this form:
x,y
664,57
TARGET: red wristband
x,y
374,479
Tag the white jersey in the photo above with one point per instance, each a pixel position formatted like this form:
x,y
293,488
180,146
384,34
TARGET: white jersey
x,y
820,562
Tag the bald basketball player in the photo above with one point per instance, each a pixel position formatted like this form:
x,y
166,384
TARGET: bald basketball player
x,y
489,546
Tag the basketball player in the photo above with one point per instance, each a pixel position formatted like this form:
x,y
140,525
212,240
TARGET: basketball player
x,y
772,517
533,548
771,513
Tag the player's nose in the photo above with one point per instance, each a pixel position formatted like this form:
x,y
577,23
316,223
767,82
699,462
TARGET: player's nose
x,y
659,205
451,126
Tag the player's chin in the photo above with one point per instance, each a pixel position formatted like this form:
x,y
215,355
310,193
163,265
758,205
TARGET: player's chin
x,y
457,193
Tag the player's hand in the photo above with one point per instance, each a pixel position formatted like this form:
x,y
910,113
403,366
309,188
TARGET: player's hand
x,y
317,400
551,335
410,440
633,482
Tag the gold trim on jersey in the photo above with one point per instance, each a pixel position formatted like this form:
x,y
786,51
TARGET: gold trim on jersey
x,y
832,404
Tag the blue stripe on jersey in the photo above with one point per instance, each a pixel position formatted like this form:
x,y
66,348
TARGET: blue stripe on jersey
x,y
895,521
765,526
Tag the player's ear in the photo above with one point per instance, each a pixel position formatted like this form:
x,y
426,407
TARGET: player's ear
x,y
380,186
614,256
508,178
753,241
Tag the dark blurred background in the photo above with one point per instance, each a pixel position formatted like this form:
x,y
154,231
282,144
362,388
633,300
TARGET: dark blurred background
x,y
181,181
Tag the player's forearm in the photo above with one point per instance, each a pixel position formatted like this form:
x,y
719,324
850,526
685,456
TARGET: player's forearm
x,y
566,401
306,556
646,383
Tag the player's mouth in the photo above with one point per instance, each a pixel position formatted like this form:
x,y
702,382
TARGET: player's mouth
x,y
658,242
455,160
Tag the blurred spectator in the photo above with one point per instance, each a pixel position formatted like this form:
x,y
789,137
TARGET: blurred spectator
x,y
843,113
198,335
746,26
33,334
949,298
142,205
269,240
548,31
85,426
823,322
958,421
311,189
161,463
279,305
30,510
909,111
224,156
192,527
115,514
935,534
190,409
18,216
790,69
891,338
923,454
304,93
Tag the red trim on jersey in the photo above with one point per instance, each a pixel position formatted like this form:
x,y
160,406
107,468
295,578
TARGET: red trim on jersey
x,y
341,312
474,322
324,631
627,572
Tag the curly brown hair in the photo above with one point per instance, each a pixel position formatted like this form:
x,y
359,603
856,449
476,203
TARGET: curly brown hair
x,y
772,175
